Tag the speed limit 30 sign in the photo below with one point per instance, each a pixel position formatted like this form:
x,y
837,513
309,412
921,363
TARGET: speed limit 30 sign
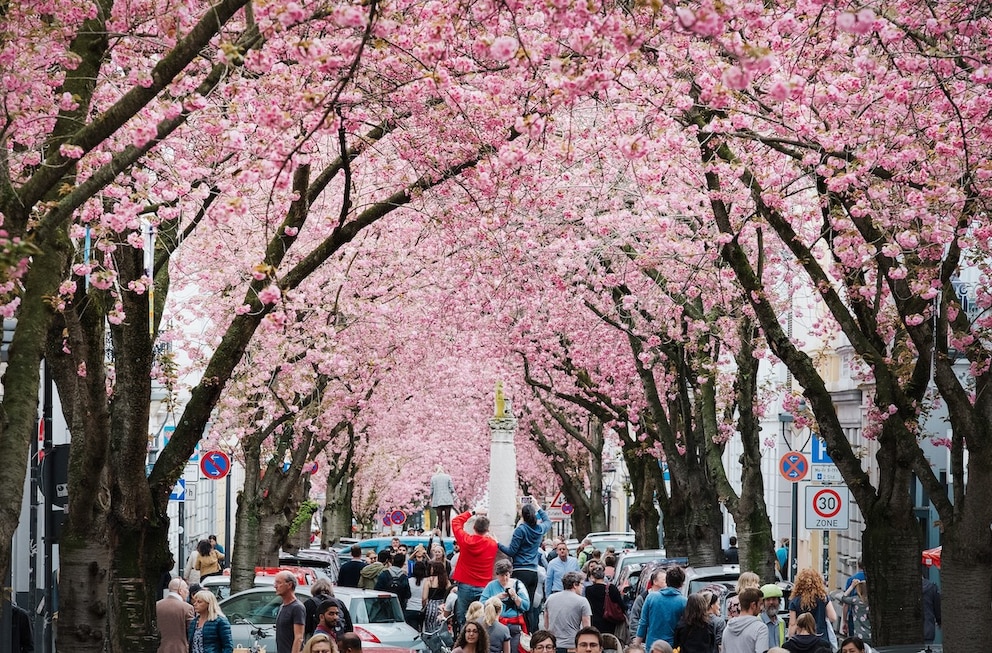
x,y
827,508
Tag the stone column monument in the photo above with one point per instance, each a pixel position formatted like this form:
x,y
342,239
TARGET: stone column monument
x,y
502,469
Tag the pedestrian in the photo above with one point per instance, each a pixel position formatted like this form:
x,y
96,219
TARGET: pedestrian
x,y
656,582
716,618
782,556
731,555
442,499
662,610
394,579
497,632
174,614
856,577
370,573
744,581
772,600
931,610
292,616
329,616
209,631
806,638
512,593
475,568
543,641
321,591
524,548
853,645
207,560
566,612
472,639
350,643
434,591
219,549
562,564
320,643
597,594
809,594
854,614
745,633
695,633
413,612
588,640
351,572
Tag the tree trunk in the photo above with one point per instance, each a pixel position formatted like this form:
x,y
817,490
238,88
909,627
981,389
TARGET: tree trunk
x,y
749,510
891,554
335,522
642,513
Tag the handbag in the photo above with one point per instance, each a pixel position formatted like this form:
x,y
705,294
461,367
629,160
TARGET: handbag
x,y
612,611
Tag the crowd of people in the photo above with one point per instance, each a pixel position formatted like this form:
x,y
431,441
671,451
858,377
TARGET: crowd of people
x,y
540,596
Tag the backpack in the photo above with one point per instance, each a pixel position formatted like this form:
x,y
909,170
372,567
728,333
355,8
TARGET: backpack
x,y
398,584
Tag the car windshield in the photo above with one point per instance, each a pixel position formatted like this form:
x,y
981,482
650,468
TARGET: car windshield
x,y
260,608
375,610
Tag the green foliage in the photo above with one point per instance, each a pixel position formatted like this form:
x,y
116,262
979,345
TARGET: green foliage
x,y
303,516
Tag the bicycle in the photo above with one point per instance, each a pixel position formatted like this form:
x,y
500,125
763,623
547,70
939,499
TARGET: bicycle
x,y
257,633
439,640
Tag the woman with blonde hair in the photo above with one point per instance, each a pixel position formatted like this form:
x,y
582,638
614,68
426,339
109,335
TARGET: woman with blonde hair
x,y
744,581
809,595
499,633
209,631
320,643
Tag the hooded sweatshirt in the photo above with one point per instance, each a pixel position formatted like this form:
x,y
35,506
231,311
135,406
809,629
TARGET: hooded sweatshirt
x,y
369,574
525,545
745,634
807,644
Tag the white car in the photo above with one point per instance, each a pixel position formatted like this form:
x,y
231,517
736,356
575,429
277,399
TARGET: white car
x,y
377,616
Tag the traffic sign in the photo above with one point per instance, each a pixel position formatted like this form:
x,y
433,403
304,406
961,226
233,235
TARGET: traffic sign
x,y
825,474
820,455
179,491
793,466
558,501
827,508
567,509
215,464
397,517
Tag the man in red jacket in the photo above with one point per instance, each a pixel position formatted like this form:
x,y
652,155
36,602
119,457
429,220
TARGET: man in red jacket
x,y
475,561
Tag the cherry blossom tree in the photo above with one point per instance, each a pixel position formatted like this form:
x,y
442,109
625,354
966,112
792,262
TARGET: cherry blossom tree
x,y
844,141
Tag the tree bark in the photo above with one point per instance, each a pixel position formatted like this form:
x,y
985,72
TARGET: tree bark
x,y
642,513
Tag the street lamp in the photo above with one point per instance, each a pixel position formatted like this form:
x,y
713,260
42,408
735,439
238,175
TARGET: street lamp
x,y
609,471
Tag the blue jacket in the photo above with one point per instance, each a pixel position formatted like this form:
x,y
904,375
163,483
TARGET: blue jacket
x,y
525,545
659,616
216,635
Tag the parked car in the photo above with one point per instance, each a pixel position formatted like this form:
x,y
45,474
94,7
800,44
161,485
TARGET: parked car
x,y
628,558
377,616
377,544
220,585
326,562
602,540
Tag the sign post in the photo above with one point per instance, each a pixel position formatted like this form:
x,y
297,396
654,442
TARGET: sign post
x,y
793,467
